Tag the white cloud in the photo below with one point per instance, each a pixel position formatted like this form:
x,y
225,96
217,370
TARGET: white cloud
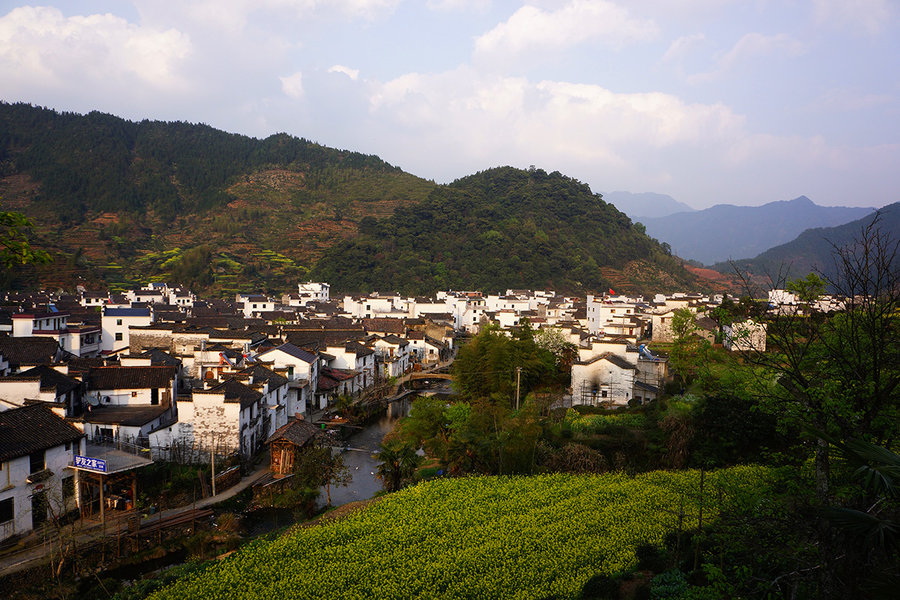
x,y
864,16
458,5
233,16
843,100
751,46
40,47
483,117
531,29
351,73
454,123
292,85
682,46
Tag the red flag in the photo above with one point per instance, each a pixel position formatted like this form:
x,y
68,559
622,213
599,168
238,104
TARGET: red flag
x,y
612,292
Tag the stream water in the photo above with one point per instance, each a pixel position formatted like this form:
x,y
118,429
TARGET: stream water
x,y
359,457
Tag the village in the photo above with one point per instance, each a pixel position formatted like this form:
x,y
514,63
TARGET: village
x,y
95,386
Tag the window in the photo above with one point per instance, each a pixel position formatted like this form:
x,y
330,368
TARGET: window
x,y
118,321
36,461
603,394
119,336
134,394
6,510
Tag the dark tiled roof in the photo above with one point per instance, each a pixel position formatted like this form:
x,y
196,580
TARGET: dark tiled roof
x,y
129,416
81,366
29,350
31,429
326,383
395,326
261,373
338,374
127,312
161,358
619,361
358,349
294,351
235,391
49,378
297,432
129,378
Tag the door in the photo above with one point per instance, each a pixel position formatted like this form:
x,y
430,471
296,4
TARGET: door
x,y
38,509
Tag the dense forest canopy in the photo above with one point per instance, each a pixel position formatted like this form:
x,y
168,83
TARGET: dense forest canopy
x,y
498,229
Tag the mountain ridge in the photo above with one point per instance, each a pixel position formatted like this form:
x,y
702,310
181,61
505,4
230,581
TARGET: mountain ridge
x,y
813,249
724,231
120,203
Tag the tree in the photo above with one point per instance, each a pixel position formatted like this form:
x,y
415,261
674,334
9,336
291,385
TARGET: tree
x,y
399,462
318,466
807,289
15,249
688,352
838,374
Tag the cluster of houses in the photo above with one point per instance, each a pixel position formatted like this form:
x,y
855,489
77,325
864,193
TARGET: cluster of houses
x,y
177,376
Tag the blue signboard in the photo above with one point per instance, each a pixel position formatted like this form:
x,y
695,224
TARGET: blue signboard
x,y
91,464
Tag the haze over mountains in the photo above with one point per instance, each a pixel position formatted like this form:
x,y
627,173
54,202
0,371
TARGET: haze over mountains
x,y
813,250
645,204
726,231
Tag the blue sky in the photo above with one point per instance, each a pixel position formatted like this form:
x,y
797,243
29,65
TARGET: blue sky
x,y
709,101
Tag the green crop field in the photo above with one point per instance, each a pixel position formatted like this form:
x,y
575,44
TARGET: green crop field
x,y
479,537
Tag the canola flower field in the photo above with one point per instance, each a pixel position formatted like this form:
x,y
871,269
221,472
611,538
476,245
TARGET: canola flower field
x,y
594,423
475,537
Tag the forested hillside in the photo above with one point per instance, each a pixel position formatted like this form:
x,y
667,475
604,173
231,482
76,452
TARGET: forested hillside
x,y
117,203
504,228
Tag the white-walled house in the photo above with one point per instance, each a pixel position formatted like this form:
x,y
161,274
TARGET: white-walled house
x,y
47,385
255,304
127,403
115,323
745,336
228,415
607,379
302,371
662,326
274,388
611,316
78,340
353,356
36,447
367,307
313,292
392,353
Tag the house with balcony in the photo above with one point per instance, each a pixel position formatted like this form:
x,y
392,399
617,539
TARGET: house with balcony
x,y
37,448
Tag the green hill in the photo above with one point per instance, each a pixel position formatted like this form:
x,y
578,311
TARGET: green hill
x,y
477,537
504,228
119,203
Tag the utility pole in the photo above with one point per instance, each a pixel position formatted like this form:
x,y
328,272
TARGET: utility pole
x,y
518,379
212,463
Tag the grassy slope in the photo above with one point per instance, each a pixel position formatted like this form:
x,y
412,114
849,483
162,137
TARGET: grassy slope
x,y
479,537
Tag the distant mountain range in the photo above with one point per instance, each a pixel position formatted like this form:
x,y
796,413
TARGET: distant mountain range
x,y
813,250
646,204
726,231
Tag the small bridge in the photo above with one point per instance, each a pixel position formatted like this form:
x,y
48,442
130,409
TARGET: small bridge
x,y
422,375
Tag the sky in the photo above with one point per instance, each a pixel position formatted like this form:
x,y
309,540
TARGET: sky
x,y
710,101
